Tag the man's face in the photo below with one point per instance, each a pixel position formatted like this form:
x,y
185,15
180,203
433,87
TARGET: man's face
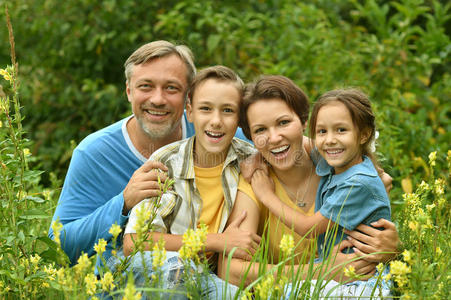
x,y
157,91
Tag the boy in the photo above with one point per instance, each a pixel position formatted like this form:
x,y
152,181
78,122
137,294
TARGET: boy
x,y
205,169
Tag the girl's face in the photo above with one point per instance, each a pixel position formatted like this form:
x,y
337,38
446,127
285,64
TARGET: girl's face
x,y
276,131
337,137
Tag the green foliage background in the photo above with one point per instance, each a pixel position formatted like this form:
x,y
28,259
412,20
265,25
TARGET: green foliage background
x,y
71,56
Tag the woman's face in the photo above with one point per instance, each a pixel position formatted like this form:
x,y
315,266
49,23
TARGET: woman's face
x,y
277,132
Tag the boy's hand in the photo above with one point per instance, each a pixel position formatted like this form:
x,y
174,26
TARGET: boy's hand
x,y
251,164
367,240
262,185
247,243
144,184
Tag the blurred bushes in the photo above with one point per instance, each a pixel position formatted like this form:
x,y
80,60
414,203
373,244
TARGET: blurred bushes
x,y
71,56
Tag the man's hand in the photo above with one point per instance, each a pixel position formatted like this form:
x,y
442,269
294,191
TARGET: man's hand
x,y
363,268
370,240
251,164
246,242
387,180
144,184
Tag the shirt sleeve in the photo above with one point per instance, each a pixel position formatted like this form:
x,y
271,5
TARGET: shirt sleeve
x,y
82,209
352,203
246,188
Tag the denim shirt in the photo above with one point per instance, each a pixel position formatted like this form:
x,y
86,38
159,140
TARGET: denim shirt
x,y
356,196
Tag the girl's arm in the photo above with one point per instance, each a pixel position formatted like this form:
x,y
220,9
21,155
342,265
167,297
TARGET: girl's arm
x,y
303,225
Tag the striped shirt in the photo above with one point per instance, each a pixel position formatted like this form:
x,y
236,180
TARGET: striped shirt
x,y
180,208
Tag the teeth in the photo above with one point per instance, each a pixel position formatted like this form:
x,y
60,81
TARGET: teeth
x,y
334,151
214,134
280,149
157,113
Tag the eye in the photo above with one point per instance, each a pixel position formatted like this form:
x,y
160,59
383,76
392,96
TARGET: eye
x,y
228,110
172,88
204,108
144,86
341,130
284,122
259,130
320,131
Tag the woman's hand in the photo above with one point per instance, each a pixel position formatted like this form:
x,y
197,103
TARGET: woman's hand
x,y
375,245
262,185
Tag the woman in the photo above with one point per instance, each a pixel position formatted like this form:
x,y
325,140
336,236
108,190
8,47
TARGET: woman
x,y
274,114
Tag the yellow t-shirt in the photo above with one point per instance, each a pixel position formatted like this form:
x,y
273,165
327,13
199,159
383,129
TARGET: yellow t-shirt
x,y
208,183
275,228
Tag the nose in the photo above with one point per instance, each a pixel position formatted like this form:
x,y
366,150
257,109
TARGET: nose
x,y
216,119
274,136
330,138
157,98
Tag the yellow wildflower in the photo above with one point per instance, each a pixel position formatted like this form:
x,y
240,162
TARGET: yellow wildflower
x,y
115,230
399,271
413,225
56,227
193,242
107,281
432,158
91,284
130,292
50,271
380,267
158,254
100,246
83,263
246,295
264,287
1,124
448,159
26,152
406,296
438,251
5,75
407,255
287,244
424,186
143,216
61,275
350,272
429,207
439,186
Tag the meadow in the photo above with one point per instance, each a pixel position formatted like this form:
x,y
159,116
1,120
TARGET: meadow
x,y
61,78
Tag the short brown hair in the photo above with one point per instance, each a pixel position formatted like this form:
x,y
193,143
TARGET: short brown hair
x,y
219,73
358,105
274,87
158,49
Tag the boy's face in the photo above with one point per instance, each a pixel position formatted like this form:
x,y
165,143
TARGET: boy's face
x,y
214,113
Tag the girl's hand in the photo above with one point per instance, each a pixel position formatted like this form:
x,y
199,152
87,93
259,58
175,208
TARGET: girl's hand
x,y
375,245
262,185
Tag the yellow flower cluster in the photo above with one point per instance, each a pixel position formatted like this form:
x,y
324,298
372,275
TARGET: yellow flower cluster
x,y
130,292
6,75
264,287
158,254
432,158
143,215
407,256
115,230
399,271
50,271
350,272
83,264
287,244
193,242
100,246
107,281
91,284
56,227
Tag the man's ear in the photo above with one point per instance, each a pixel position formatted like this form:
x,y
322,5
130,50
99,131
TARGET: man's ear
x,y
189,110
365,135
127,90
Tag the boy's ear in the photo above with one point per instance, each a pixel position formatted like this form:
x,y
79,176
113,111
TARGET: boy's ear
x,y
189,110
365,135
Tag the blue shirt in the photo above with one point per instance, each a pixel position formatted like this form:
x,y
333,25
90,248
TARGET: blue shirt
x,y
356,196
92,196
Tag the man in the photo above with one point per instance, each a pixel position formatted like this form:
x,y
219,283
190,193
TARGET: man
x,y
109,173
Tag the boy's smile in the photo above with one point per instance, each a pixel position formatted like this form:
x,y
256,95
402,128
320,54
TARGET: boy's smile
x,y
214,113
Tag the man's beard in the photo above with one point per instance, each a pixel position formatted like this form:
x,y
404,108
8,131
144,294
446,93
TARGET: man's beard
x,y
158,131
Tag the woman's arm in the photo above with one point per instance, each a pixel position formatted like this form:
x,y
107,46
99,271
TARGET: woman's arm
x,y
375,245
